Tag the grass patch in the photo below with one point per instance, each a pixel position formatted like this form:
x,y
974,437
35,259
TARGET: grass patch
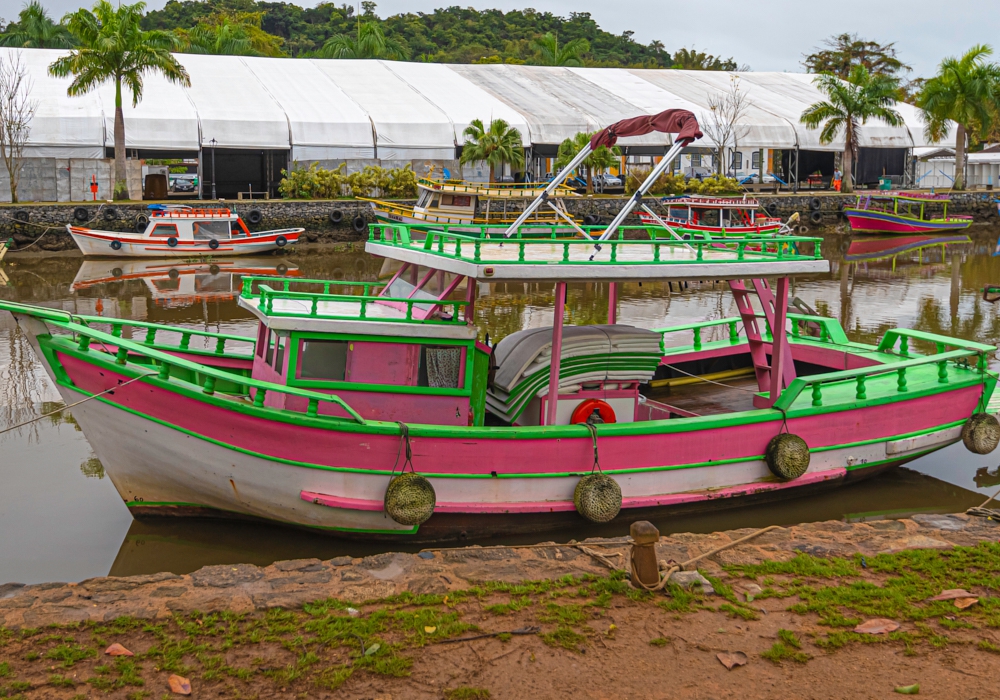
x,y
565,637
69,654
787,647
466,692
59,681
659,641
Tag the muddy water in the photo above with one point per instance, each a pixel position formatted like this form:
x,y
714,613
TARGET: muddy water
x,y
61,518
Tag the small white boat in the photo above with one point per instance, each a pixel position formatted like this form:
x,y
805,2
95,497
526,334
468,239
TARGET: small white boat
x,y
182,231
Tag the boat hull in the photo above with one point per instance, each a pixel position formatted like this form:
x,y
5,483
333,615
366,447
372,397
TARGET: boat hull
x,y
864,221
457,226
170,449
99,244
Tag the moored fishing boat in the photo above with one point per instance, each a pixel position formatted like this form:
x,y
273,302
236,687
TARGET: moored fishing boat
x,y
372,409
487,207
183,231
902,212
732,216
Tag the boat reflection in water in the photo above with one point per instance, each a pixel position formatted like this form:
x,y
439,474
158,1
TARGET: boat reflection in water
x,y
175,283
922,250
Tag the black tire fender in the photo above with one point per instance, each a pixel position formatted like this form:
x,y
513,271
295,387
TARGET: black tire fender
x,y
172,242
336,216
110,214
213,244
281,241
116,245
359,223
816,217
815,203
81,214
254,216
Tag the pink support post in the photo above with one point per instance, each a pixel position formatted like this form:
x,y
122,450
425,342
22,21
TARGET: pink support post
x,y
557,327
612,303
779,339
471,287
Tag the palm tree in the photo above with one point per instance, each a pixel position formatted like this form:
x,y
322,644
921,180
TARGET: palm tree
x,y
114,47
370,43
850,104
228,33
965,90
598,160
34,29
554,55
497,145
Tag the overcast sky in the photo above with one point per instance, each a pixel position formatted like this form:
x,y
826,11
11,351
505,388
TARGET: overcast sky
x,y
766,34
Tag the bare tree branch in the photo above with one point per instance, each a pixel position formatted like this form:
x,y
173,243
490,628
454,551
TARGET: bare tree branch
x,y
16,111
727,124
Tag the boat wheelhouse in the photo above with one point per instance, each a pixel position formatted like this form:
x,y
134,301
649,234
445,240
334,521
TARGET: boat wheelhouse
x,y
717,216
183,231
347,385
880,211
471,207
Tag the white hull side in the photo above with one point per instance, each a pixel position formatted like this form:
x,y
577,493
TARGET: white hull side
x,y
134,246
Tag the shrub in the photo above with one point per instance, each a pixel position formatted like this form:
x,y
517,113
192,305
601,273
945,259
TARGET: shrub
x,y
320,183
668,184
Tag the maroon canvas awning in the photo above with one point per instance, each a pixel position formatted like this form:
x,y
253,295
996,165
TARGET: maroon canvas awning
x,y
670,121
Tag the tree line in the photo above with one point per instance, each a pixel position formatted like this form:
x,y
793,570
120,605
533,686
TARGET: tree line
x,y
446,35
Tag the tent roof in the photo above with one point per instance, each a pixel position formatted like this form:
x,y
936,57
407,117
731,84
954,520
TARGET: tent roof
x,y
457,97
407,124
232,104
319,113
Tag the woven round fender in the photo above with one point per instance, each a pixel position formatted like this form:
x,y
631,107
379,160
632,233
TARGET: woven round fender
x,y
981,433
598,498
787,456
410,499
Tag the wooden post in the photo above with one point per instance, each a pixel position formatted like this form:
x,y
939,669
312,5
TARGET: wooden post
x,y
557,326
778,338
612,303
644,537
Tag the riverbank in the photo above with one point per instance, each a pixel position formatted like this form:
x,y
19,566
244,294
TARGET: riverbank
x,y
548,621
43,225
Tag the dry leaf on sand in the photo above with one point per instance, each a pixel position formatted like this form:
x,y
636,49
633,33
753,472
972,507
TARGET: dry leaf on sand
x,y
730,659
179,685
878,625
952,594
963,603
117,649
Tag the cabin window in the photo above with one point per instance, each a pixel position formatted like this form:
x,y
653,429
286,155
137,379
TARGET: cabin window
x,y
279,353
323,359
455,200
269,357
165,230
695,160
434,202
424,197
206,230
755,160
737,160
439,366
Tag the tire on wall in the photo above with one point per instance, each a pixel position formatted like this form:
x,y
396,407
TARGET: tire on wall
x,y
359,223
254,217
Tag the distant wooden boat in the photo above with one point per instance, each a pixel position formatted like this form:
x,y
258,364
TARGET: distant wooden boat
x,y
182,231
902,212
737,216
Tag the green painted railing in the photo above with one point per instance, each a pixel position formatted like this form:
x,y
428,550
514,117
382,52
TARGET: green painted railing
x,y
267,297
468,248
696,331
151,331
89,340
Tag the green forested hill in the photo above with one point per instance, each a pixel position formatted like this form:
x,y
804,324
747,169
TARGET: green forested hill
x,y
454,34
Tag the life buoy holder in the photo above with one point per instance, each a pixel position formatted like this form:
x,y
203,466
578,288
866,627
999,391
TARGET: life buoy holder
x,y
582,412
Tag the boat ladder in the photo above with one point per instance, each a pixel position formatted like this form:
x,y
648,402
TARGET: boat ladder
x,y
755,339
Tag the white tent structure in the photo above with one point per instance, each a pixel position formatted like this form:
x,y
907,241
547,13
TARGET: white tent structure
x,y
285,111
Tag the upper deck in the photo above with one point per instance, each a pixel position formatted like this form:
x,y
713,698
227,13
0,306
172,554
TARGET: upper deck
x,y
713,203
186,213
905,196
494,190
579,259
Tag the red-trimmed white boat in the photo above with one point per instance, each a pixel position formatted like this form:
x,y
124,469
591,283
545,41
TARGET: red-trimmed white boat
x,y
349,384
734,216
177,231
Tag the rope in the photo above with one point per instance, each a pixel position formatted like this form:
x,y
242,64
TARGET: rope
x,y
404,438
77,403
46,229
597,462
665,575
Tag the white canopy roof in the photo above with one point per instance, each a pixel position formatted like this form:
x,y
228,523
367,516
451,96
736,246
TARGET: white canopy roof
x,y
459,99
323,121
407,124
233,106
361,109
63,126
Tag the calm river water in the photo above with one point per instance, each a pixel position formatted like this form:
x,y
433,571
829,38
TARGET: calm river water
x,y
62,519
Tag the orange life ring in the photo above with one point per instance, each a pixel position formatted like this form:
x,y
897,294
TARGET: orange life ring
x,y
583,411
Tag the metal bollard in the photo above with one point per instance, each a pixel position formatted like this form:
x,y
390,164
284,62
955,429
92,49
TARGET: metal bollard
x,y
644,537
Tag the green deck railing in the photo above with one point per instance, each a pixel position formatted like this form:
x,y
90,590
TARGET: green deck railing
x,y
88,340
267,297
469,248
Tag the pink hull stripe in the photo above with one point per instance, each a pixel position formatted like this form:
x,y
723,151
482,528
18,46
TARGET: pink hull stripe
x,y
564,506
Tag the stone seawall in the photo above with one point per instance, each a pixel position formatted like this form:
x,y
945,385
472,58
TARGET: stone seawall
x,y
27,223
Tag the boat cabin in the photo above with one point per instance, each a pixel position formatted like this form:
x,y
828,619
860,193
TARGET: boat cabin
x,y
406,349
716,215
184,223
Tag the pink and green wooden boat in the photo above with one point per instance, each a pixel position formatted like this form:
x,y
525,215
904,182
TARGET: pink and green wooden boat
x,y
903,213
345,384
